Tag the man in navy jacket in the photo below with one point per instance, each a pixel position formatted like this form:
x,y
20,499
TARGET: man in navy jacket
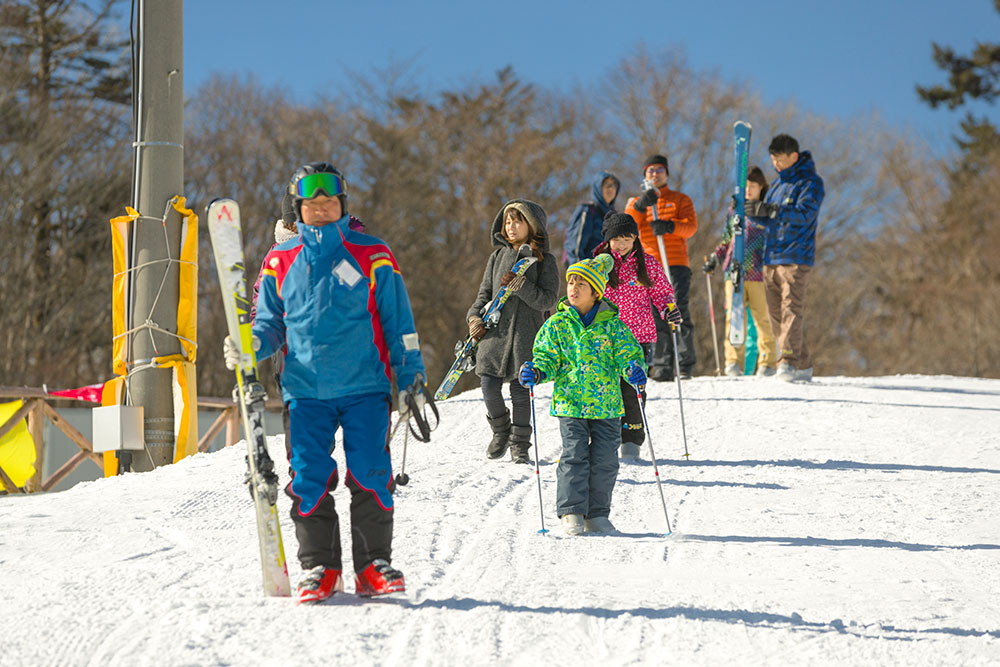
x,y
789,213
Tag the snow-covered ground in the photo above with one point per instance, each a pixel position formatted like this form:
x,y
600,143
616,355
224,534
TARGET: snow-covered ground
x,y
846,521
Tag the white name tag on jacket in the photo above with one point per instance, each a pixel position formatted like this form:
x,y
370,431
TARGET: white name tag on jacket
x,y
346,273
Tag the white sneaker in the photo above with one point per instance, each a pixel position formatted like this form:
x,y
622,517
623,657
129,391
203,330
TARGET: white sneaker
x,y
765,371
786,372
572,524
599,524
733,371
629,450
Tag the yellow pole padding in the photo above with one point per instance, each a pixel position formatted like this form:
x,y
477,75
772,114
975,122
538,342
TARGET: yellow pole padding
x,y
185,384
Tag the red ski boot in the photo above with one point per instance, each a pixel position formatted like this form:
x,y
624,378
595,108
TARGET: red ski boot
x,y
379,578
318,584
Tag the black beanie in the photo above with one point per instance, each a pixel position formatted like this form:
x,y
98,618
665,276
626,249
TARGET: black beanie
x,y
619,224
656,159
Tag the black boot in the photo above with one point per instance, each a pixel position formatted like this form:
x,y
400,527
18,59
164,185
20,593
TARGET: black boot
x,y
501,435
520,443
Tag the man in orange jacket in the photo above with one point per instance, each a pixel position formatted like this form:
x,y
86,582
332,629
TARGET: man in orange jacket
x,y
669,214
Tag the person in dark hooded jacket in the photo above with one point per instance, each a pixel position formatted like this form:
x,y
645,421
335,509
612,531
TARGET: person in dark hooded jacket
x,y
583,233
503,348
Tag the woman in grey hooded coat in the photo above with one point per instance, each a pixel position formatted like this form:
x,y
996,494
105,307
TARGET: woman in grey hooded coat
x,y
503,348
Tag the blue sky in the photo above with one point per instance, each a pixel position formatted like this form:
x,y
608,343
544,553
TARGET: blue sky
x,y
837,58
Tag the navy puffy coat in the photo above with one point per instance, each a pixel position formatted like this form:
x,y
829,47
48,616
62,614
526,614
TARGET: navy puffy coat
x,y
791,233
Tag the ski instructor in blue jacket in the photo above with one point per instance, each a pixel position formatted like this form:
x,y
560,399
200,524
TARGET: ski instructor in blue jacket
x,y
789,213
335,298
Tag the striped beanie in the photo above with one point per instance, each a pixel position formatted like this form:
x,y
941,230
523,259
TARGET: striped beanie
x,y
595,271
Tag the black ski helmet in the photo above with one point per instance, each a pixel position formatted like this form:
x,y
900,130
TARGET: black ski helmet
x,y
287,207
315,168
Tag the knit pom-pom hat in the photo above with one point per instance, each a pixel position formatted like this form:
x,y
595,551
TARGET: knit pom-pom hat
x,y
595,271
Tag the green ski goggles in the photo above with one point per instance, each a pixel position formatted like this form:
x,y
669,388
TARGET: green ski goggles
x,y
313,185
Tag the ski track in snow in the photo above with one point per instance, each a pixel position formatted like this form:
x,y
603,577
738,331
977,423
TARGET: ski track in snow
x,y
846,521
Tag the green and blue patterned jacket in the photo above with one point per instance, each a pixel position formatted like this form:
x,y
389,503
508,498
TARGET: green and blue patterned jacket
x,y
585,362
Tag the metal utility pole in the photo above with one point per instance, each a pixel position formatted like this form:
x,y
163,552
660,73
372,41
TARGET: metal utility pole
x,y
159,176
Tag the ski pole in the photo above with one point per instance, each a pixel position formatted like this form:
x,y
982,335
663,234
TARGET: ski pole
x,y
652,455
538,477
673,334
711,314
402,478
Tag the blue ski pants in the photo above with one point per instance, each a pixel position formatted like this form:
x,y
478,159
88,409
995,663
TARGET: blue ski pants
x,y
313,424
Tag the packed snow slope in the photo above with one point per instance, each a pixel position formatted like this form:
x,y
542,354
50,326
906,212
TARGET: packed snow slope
x,y
845,521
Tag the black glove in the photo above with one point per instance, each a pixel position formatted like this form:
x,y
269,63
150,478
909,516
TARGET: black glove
x,y
661,227
646,199
710,263
758,209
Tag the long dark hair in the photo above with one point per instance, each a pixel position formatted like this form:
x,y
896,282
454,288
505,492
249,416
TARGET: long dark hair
x,y
535,240
757,176
640,263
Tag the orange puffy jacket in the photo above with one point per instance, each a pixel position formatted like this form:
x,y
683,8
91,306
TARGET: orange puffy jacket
x,y
672,205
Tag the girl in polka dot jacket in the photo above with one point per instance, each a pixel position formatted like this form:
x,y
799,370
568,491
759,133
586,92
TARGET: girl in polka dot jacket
x,y
637,284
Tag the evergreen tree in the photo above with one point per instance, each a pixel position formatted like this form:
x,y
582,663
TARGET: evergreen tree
x,y
64,134
970,77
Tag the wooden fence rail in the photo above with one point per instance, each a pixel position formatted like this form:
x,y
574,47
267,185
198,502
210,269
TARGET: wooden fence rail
x,y
36,409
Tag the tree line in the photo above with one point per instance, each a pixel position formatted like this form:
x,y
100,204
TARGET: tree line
x,y
906,273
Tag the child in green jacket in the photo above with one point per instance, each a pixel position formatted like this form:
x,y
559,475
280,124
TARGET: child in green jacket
x,y
584,348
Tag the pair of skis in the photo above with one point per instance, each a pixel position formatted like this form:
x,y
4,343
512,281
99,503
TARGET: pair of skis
x,y
737,311
227,244
465,352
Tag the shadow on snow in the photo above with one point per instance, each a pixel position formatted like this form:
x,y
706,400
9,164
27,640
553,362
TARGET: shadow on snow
x,y
825,542
685,482
734,616
826,465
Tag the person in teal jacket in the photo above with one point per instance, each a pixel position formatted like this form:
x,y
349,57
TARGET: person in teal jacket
x,y
585,348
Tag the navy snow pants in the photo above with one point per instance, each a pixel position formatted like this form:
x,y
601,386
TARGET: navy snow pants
x,y
313,425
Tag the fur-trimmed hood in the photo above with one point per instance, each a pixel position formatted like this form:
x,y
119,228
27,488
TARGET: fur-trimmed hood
x,y
283,232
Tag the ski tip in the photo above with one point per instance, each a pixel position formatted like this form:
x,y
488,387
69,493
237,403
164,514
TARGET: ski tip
x,y
223,206
216,200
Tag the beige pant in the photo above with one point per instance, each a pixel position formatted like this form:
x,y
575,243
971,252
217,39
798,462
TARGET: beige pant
x,y
754,297
786,296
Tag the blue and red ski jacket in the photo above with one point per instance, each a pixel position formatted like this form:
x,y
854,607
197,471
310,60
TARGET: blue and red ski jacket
x,y
336,297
